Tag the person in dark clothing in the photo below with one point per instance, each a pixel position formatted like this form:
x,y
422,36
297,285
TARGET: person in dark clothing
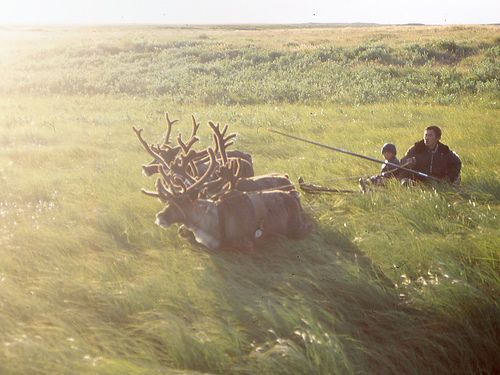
x,y
433,158
387,170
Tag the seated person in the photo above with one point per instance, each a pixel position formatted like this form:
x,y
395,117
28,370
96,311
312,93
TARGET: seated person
x,y
433,158
387,170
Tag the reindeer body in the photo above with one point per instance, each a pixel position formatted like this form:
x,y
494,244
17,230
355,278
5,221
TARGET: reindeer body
x,y
271,181
238,219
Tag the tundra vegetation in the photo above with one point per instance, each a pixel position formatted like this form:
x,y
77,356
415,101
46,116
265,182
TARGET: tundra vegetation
x,y
395,281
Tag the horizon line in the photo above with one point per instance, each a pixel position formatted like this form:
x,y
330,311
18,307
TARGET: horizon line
x,y
292,24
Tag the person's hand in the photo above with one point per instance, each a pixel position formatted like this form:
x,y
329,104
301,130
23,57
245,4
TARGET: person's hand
x,y
411,162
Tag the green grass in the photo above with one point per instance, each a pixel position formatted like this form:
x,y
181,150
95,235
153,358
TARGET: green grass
x,y
262,66
398,280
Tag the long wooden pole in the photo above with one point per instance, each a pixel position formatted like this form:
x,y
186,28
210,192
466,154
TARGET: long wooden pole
x,y
354,154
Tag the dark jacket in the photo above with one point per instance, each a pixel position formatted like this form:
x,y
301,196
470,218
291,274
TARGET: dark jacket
x,y
441,163
389,170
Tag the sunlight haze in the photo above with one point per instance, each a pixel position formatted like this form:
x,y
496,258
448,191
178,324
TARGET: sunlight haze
x,y
257,11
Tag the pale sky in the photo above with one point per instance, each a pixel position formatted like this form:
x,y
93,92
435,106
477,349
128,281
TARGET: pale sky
x,y
67,12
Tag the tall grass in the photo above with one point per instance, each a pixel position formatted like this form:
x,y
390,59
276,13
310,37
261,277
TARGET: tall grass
x,y
398,280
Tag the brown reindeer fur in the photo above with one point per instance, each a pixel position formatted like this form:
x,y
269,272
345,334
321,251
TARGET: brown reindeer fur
x,y
238,219
271,181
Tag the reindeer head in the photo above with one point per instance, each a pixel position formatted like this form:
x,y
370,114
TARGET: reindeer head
x,y
180,199
176,211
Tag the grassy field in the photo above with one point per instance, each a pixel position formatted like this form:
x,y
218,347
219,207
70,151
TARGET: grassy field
x,y
395,281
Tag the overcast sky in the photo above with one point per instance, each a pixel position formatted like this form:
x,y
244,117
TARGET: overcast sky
x,y
252,11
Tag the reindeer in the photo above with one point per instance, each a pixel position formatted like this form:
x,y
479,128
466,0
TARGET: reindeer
x,y
234,220
206,192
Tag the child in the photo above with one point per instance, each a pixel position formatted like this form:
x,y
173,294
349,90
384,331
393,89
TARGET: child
x,y
386,171
389,170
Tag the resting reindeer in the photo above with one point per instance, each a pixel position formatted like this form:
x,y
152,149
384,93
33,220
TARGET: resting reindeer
x,y
236,219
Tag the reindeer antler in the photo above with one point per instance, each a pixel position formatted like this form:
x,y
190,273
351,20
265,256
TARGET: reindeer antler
x,y
162,192
192,140
222,142
208,173
230,173
196,126
166,140
149,149
186,146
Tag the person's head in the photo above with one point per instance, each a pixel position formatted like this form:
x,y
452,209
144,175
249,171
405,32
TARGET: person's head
x,y
432,135
388,150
